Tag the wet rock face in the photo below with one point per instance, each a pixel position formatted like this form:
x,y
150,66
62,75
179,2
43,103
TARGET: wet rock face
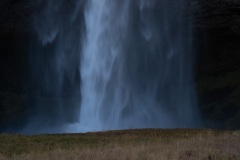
x,y
14,39
217,62
216,25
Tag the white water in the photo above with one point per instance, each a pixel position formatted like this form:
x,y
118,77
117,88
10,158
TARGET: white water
x,y
136,61
101,105
120,89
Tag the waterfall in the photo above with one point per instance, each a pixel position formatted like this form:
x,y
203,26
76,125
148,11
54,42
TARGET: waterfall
x,y
136,66
104,93
129,64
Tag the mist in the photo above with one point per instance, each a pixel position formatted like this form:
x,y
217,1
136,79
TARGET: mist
x,y
111,65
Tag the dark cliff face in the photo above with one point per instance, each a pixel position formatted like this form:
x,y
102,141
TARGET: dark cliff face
x,y
217,37
216,26
14,40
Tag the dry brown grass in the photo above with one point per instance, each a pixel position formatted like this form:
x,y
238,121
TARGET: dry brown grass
x,y
176,144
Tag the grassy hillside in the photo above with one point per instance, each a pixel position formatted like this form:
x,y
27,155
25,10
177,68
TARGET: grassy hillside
x,y
129,144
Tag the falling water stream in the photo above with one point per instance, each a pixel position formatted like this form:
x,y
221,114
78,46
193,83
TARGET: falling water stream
x,y
134,59
136,72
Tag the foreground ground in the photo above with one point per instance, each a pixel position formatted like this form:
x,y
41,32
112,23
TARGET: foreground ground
x,y
180,144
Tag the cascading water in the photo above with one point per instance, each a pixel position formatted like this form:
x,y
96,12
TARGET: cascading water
x,y
103,92
136,66
135,59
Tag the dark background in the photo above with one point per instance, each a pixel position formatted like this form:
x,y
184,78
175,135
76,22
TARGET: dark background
x,y
216,26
